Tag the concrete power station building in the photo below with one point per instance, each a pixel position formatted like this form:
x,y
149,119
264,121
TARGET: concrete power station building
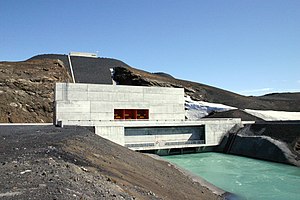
x,y
140,118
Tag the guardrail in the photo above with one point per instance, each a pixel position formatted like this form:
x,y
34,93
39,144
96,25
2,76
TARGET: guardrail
x,y
140,145
184,142
165,143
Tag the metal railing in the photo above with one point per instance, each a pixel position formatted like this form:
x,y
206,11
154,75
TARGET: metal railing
x,y
140,145
165,143
184,142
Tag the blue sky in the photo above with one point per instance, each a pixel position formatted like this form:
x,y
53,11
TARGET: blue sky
x,y
250,47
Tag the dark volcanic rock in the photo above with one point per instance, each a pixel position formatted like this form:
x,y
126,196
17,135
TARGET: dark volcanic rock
x,y
234,114
273,141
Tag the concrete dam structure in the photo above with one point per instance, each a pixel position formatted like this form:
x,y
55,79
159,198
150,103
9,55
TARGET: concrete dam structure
x,y
140,118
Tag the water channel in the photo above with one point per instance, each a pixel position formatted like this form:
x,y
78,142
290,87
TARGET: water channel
x,y
248,178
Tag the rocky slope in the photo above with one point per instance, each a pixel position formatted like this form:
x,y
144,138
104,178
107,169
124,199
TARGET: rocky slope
x,y
238,113
86,69
47,162
27,90
272,141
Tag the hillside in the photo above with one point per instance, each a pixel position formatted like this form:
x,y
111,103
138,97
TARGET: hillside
x,y
281,96
202,92
96,70
27,89
47,162
87,70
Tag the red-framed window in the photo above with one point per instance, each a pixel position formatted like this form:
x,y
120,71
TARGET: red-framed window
x,y
142,114
131,114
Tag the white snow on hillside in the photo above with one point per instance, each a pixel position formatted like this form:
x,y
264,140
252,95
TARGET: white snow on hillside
x,y
271,115
198,109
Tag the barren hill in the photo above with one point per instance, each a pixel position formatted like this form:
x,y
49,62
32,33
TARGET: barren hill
x,y
202,92
47,162
87,70
27,89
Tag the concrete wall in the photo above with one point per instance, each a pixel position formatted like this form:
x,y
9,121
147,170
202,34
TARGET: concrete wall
x,y
218,128
93,105
148,132
112,133
93,102
162,135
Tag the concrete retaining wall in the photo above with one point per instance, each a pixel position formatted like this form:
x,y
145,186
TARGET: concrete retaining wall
x,y
217,128
112,133
210,131
91,102
161,135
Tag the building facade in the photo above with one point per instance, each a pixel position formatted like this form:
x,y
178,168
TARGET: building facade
x,y
141,118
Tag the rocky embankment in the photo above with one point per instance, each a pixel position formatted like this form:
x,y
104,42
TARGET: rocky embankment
x,y
272,141
47,162
27,90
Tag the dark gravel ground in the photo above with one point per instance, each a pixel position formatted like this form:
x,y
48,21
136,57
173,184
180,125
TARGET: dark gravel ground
x,y
47,162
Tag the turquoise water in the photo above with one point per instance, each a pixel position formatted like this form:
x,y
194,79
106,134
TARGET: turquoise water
x,y
249,178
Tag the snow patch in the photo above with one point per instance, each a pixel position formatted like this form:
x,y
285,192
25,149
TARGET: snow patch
x,y
271,115
198,109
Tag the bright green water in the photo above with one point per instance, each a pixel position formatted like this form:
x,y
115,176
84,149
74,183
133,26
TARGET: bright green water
x,y
249,178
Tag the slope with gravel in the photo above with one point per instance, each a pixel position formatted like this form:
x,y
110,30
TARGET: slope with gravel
x,y
27,90
73,163
87,69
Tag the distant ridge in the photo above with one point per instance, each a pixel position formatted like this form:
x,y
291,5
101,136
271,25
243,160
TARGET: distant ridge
x,y
282,96
163,74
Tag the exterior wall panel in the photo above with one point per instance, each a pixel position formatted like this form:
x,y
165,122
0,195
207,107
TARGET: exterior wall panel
x,y
97,102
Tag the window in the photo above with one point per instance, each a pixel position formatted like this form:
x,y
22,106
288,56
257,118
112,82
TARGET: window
x,y
119,114
131,114
142,114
